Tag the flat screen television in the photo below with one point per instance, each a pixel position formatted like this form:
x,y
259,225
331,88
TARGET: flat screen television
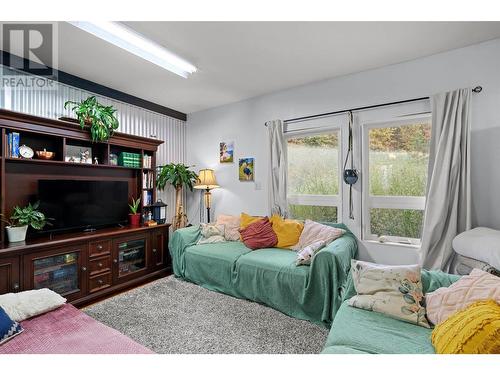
x,y
83,204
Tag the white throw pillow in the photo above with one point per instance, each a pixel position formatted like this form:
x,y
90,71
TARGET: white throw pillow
x,y
231,226
24,305
211,233
314,232
393,290
305,256
479,243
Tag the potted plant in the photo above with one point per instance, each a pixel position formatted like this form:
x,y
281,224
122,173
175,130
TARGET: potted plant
x,y
100,118
179,176
21,218
134,217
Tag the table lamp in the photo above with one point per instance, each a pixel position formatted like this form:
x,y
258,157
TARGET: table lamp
x,y
206,181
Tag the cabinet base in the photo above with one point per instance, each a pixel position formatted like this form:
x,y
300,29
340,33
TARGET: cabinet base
x,y
120,288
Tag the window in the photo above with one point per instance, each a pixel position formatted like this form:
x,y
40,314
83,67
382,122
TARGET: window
x,y
313,176
395,161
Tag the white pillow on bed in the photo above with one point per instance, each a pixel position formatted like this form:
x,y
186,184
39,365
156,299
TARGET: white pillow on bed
x,y
23,305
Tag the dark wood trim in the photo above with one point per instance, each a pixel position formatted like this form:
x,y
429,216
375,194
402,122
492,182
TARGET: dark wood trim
x,y
84,84
26,122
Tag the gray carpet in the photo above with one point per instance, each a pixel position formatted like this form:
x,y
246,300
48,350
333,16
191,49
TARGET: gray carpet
x,y
173,316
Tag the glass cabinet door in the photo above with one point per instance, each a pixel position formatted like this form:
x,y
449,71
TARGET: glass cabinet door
x,y
58,273
131,256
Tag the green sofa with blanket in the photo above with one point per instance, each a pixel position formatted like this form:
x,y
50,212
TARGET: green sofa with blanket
x,y
268,276
358,331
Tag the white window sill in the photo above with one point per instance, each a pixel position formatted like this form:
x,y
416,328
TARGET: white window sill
x,y
389,243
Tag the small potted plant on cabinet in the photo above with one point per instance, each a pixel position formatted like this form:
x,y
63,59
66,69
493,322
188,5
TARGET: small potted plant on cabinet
x,y
134,217
21,218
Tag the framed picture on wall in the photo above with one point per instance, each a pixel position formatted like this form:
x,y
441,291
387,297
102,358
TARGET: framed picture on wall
x,y
246,169
226,152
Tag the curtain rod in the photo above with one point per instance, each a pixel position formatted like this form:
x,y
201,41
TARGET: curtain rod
x,y
476,89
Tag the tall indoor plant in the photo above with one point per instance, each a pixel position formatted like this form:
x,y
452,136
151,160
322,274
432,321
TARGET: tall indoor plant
x,y
179,176
101,119
21,218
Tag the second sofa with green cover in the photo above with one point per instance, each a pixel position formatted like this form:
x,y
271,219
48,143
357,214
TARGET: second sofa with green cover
x,y
358,331
268,276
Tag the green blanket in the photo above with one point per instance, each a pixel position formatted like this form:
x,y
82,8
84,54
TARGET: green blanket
x,y
268,276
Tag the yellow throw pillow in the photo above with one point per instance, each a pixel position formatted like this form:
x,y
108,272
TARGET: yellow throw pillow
x,y
288,231
246,220
474,330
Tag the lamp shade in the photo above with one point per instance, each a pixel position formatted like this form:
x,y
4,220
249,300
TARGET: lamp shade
x,y
206,180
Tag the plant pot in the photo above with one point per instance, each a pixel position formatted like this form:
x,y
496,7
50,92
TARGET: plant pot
x,y
74,120
134,219
16,234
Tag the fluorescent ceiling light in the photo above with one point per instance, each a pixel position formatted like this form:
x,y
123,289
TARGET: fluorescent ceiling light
x,y
133,42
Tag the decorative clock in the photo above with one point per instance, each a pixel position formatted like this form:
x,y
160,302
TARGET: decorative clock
x,y
26,152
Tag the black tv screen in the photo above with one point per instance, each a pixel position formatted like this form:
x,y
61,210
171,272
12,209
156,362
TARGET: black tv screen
x,y
81,204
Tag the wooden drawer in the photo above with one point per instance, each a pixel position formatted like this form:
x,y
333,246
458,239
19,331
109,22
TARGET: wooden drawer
x,y
99,282
99,248
100,265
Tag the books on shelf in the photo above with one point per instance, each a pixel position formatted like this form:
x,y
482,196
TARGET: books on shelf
x,y
147,197
129,159
12,145
148,180
147,161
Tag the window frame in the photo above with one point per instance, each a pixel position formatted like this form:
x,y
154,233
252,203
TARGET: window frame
x,y
386,201
318,199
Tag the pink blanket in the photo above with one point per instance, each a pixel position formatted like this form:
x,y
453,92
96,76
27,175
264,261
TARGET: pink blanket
x,y
67,330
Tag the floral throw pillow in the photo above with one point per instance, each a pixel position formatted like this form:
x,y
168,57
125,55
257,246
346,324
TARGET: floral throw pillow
x,y
392,290
211,233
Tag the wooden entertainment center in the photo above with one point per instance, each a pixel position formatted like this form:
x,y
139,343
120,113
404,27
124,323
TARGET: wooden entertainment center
x,y
82,266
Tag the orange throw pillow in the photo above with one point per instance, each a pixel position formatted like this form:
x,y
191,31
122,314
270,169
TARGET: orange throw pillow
x,y
259,235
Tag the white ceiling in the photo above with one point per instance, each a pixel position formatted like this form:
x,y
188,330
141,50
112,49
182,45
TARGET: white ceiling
x,y
239,60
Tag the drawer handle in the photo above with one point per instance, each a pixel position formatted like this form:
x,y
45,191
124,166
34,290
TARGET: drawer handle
x,y
154,250
100,282
100,265
115,260
99,247
84,269
15,286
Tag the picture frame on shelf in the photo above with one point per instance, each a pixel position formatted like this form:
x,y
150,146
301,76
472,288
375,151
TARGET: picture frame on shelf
x,y
78,154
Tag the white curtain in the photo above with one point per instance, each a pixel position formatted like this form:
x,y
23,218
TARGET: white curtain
x,y
278,168
448,204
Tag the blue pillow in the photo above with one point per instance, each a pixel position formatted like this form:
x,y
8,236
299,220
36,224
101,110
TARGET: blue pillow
x,y
8,327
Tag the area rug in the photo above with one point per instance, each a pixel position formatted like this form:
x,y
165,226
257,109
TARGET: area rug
x,y
173,316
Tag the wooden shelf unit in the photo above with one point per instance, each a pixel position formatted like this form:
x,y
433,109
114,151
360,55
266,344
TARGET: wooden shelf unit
x,y
19,185
19,175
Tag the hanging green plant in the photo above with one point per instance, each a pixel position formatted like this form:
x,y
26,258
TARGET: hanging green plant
x,y
101,119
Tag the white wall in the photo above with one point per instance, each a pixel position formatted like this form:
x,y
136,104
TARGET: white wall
x,y
244,121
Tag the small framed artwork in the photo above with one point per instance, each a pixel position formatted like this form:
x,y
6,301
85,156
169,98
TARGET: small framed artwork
x,y
226,153
78,154
246,169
